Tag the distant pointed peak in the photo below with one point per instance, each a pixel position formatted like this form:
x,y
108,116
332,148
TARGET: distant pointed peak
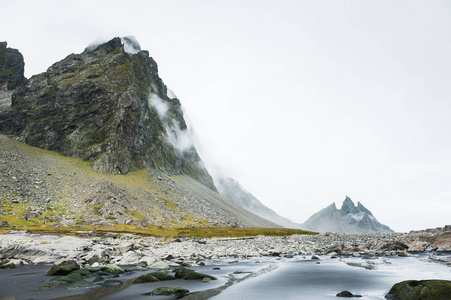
x,y
332,205
347,202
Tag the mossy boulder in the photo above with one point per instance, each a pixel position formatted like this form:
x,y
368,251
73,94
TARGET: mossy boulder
x,y
154,276
63,268
182,272
83,272
145,278
81,284
188,274
7,266
111,270
169,291
420,290
198,276
62,280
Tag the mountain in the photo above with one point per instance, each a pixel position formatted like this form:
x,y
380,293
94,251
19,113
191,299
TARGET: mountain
x,y
109,107
113,148
348,219
235,193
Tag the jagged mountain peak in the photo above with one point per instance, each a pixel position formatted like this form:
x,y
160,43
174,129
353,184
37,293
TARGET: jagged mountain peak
x,y
348,219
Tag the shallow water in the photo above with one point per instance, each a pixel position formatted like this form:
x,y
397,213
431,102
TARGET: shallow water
x,y
323,279
259,278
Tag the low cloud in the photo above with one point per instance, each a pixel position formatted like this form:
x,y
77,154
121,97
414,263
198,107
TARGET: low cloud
x,y
179,138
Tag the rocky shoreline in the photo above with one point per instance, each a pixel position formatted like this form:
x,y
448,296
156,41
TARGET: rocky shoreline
x,y
21,247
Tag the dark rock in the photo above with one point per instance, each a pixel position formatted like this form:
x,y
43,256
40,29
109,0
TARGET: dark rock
x,y
63,280
182,272
63,268
145,278
112,282
98,278
197,276
169,291
154,276
11,68
421,290
347,294
83,272
81,284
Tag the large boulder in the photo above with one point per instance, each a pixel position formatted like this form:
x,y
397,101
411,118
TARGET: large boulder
x,y
443,241
421,290
63,268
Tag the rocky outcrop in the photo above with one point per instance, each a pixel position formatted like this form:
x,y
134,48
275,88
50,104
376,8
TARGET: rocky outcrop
x,y
235,193
107,106
11,68
348,219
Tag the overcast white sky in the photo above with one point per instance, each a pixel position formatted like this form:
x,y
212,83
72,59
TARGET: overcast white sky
x,y
303,102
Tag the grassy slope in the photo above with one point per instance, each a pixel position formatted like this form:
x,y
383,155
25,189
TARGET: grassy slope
x,y
74,180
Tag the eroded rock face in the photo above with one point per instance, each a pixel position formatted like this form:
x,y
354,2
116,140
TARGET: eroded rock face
x,y
11,68
109,107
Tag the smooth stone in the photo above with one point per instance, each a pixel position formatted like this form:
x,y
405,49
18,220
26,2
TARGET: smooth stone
x,y
159,265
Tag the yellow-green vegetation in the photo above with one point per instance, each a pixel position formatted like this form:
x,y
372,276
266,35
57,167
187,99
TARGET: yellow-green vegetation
x,y
135,214
156,231
14,213
200,232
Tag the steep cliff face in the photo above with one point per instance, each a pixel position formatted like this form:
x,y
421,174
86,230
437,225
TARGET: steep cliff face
x,y
348,219
108,106
11,68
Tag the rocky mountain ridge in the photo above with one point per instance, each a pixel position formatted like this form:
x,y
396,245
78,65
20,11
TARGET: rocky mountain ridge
x,y
348,219
109,107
